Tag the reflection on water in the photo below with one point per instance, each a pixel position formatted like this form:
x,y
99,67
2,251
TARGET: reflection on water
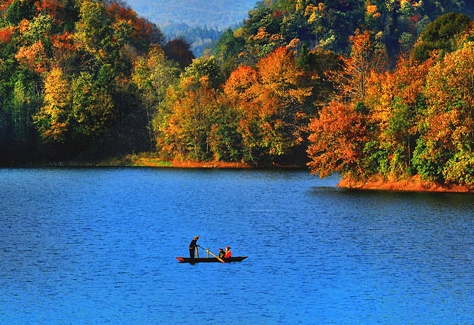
x,y
98,246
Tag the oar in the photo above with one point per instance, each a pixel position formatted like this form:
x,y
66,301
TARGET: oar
x,y
209,252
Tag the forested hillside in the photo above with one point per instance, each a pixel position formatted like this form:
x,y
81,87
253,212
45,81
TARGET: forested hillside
x,y
363,88
415,120
66,85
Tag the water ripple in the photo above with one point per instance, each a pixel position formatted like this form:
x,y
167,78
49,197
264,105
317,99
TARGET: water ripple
x,y
98,246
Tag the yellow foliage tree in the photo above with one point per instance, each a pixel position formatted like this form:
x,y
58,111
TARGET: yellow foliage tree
x,y
53,117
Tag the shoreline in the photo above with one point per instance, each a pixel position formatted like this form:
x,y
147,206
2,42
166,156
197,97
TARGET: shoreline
x,y
411,184
374,183
156,162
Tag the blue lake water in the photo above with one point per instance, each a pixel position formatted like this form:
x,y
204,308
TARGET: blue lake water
x,y
98,246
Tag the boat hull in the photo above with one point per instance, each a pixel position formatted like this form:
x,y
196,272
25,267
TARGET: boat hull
x,y
209,259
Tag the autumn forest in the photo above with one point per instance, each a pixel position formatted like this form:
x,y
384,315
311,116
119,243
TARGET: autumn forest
x,y
360,88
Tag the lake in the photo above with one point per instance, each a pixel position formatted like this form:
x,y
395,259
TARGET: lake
x,y
99,246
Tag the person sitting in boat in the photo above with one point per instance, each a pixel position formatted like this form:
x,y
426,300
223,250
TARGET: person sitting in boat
x,y
228,253
193,247
221,253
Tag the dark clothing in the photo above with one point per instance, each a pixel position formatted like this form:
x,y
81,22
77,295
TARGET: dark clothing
x,y
221,253
192,247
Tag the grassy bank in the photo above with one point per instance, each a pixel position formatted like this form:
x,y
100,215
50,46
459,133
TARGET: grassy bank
x,y
409,184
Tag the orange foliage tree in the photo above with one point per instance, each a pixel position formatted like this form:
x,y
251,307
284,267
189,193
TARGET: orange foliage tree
x,y
34,57
339,134
187,116
6,34
367,56
337,140
54,8
272,101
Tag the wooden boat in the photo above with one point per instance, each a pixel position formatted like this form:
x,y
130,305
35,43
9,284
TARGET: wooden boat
x,y
210,259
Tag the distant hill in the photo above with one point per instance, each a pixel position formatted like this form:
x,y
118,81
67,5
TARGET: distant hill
x,y
200,22
218,14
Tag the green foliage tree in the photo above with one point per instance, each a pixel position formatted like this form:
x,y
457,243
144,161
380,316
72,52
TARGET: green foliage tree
x,y
332,22
441,35
227,51
92,108
152,75
18,10
24,103
194,123
225,140
205,67
93,30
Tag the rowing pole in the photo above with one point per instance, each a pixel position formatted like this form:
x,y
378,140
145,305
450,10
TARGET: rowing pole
x,y
209,252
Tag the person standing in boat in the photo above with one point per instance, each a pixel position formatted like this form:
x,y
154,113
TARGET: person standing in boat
x,y
193,247
228,253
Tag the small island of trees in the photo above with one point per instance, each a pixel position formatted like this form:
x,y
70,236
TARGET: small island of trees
x,y
377,91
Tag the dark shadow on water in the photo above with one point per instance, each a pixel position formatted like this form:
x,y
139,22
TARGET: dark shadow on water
x,y
409,202
385,193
